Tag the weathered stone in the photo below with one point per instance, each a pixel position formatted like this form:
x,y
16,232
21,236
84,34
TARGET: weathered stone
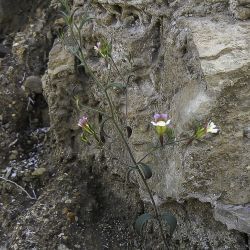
x,y
246,132
204,62
33,84
235,217
215,170
13,155
39,171
240,9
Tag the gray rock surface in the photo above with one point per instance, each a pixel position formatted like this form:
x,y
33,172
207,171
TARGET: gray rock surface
x,y
196,67
33,85
240,9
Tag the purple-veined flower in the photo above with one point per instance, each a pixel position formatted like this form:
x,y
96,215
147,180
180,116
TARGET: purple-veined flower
x,y
87,128
162,126
104,48
83,121
161,120
97,47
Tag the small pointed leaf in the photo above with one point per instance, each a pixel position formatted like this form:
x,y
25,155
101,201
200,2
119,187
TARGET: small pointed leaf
x,y
71,18
116,86
84,138
85,20
170,134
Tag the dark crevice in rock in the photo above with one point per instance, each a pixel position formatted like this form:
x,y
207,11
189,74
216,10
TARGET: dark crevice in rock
x,y
157,42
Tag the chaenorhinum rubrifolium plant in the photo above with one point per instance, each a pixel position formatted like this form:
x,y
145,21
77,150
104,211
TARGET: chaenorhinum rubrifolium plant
x,y
161,121
87,130
103,48
202,131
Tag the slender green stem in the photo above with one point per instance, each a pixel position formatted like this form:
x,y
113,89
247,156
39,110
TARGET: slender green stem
x,y
157,216
138,168
144,182
79,35
140,173
118,71
126,84
93,109
12,182
114,118
158,147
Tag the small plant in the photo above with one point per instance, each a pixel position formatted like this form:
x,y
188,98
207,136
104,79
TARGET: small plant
x,y
87,130
162,127
161,121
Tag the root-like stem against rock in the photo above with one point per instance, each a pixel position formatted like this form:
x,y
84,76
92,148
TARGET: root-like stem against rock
x,y
12,182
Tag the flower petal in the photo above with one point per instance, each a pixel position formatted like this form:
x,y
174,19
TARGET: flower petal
x,y
83,121
161,124
168,122
157,117
212,128
164,116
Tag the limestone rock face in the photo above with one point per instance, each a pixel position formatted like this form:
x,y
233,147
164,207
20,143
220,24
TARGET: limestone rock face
x,y
192,61
215,171
195,67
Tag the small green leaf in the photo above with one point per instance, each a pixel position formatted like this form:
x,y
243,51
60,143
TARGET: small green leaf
x,y
170,220
147,172
116,86
85,20
65,5
71,17
170,134
64,14
84,138
141,221
200,133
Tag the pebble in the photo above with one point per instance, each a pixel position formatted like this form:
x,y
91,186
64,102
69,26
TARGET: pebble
x,y
13,155
246,132
33,84
39,171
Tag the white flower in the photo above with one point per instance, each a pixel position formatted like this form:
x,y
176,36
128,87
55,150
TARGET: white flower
x,y
97,47
161,123
212,128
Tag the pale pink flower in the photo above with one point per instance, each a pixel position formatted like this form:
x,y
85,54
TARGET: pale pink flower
x,y
83,121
